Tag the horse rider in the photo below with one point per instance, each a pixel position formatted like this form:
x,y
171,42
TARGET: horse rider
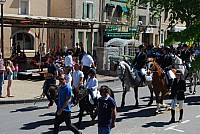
x,y
166,64
92,85
177,95
186,56
139,63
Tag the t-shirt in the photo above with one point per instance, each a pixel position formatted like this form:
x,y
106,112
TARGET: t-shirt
x,y
51,69
104,111
63,92
68,78
76,77
87,60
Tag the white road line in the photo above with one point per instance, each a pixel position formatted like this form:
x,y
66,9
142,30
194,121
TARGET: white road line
x,y
198,116
185,121
173,128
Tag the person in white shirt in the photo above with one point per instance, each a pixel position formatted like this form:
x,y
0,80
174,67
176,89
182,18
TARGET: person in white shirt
x,y
77,77
92,85
87,62
68,60
68,75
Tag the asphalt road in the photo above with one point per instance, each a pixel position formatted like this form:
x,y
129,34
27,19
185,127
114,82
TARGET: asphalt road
x,y
37,119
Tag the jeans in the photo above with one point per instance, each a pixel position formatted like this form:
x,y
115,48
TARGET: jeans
x,y
47,84
64,117
104,130
1,84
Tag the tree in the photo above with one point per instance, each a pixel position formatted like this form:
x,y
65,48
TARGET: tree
x,y
179,11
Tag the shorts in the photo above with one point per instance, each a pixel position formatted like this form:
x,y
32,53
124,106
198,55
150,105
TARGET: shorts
x,y
9,77
15,74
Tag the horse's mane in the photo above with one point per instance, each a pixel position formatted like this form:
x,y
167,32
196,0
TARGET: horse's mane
x,y
129,71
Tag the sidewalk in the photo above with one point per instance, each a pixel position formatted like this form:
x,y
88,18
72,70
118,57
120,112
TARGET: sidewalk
x,y
25,91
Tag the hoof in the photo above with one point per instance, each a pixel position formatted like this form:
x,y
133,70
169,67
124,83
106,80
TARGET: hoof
x,y
136,106
190,90
122,105
157,112
194,92
92,122
150,103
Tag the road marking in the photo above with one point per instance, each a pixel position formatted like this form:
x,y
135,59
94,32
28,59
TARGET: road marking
x,y
173,128
198,116
185,121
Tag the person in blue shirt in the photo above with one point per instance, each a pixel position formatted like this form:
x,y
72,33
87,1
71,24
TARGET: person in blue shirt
x,y
106,111
63,113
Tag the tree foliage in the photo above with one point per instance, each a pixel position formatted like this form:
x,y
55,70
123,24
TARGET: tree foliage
x,y
179,11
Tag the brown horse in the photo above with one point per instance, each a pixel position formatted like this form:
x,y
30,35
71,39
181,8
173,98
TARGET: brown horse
x,y
158,82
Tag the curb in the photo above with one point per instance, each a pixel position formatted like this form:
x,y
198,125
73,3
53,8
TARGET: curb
x,y
43,99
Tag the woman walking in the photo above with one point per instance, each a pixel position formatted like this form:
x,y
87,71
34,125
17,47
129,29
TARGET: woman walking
x,y
9,69
177,94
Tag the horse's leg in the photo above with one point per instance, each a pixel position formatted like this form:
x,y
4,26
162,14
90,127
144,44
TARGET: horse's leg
x,y
151,92
157,103
136,97
93,114
195,83
123,98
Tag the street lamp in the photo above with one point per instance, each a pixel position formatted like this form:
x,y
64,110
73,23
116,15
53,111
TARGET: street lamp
x,y
2,36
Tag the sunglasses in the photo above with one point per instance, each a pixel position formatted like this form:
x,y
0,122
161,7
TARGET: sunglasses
x,y
61,79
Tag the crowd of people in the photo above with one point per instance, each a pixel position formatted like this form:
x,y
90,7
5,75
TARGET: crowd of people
x,y
8,72
73,70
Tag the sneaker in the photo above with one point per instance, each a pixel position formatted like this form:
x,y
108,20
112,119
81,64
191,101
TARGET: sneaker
x,y
2,97
50,105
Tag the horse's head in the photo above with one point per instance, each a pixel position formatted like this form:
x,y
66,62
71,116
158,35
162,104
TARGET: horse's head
x,y
120,69
150,64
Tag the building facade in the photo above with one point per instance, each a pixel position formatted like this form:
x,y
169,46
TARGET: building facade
x,y
76,9
28,38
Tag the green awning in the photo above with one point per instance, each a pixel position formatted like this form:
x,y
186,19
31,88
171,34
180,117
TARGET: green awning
x,y
110,5
118,35
123,8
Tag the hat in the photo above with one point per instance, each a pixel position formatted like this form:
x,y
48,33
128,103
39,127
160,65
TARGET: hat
x,y
167,48
179,72
92,71
141,46
185,45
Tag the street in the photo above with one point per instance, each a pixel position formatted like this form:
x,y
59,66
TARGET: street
x,y
37,119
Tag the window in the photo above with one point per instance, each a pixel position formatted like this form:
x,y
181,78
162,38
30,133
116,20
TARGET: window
x,y
88,10
142,19
24,7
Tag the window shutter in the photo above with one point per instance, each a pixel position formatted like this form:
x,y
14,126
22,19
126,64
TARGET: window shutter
x,y
94,11
84,10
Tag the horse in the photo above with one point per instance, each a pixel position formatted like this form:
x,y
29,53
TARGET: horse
x,y
192,77
159,82
128,80
82,98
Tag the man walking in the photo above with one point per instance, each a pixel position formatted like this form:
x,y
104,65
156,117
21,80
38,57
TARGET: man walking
x,y
63,113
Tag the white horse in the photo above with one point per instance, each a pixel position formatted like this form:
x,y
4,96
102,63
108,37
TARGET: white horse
x,y
178,64
129,79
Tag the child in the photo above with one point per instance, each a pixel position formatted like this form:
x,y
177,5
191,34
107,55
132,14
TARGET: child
x,y
16,71
177,94
68,75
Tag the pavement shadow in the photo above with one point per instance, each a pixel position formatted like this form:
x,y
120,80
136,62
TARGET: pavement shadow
x,y
155,124
27,109
141,113
192,100
36,124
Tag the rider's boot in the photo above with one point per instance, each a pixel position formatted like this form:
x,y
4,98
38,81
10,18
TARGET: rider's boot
x,y
181,115
143,80
172,116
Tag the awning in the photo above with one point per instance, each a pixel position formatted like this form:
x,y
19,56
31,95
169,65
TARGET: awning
x,y
123,8
110,5
118,35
